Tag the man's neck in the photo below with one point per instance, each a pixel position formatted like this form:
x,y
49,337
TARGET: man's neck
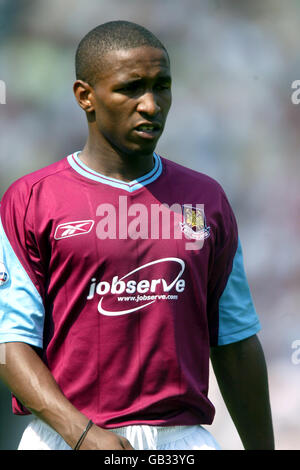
x,y
114,165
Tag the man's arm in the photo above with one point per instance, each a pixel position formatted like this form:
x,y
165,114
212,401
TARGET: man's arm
x,y
241,373
32,383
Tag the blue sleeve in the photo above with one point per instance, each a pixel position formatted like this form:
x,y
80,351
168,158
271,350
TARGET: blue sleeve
x,y
237,315
21,306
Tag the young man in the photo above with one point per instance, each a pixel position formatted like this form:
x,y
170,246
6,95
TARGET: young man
x,y
121,273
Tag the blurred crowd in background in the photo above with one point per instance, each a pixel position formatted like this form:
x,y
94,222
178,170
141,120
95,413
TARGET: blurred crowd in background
x,y
233,64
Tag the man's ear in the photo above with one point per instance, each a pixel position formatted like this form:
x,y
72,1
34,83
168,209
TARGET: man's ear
x,y
83,93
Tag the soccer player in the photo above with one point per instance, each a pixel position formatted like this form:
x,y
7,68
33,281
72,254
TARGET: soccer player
x,y
122,273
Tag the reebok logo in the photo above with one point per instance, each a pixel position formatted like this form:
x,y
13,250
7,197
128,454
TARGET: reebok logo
x,y
71,229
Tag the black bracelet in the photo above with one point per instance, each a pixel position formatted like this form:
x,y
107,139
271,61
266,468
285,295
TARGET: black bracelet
x,y
80,440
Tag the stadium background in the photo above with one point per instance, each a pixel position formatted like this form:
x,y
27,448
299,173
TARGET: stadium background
x,y
233,64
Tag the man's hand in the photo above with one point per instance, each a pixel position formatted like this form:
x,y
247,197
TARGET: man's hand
x,y
101,439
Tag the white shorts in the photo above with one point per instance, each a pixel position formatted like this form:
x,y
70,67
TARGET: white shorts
x,y
39,436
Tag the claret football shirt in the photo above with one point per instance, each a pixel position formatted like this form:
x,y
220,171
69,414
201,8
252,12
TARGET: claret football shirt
x,y
124,287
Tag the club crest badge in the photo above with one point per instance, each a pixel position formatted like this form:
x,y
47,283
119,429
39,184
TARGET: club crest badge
x,y
3,274
194,222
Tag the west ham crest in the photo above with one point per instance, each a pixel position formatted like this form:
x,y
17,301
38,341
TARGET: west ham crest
x,y
194,222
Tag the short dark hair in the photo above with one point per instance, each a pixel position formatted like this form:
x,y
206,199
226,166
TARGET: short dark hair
x,y
107,37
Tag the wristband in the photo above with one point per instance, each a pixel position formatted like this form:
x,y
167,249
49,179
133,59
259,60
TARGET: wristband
x,y
80,440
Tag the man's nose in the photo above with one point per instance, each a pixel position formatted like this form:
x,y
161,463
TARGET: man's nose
x,y
148,104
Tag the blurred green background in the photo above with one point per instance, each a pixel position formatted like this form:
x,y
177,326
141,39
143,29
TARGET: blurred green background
x,y
233,64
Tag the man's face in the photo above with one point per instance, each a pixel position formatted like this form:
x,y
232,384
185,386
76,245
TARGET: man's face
x,y
132,99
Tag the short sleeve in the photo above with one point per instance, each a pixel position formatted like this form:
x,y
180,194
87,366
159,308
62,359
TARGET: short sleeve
x,y
237,315
231,313
21,303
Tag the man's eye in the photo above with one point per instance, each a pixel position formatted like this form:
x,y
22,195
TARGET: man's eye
x,y
163,86
127,88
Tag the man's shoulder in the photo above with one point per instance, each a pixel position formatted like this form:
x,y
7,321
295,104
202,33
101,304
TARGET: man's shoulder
x,y
36,176
30,179
179,172
21,189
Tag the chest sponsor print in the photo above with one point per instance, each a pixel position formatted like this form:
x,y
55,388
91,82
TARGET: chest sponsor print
x,y
139,292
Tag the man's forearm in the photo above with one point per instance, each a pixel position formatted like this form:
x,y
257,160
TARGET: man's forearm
x,y
241,373
31,382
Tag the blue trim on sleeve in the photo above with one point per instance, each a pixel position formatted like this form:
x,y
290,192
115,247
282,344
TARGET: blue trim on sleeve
x,y
21,307
237,315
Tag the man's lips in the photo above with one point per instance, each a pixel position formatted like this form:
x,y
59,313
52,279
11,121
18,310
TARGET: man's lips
x,y
148,130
